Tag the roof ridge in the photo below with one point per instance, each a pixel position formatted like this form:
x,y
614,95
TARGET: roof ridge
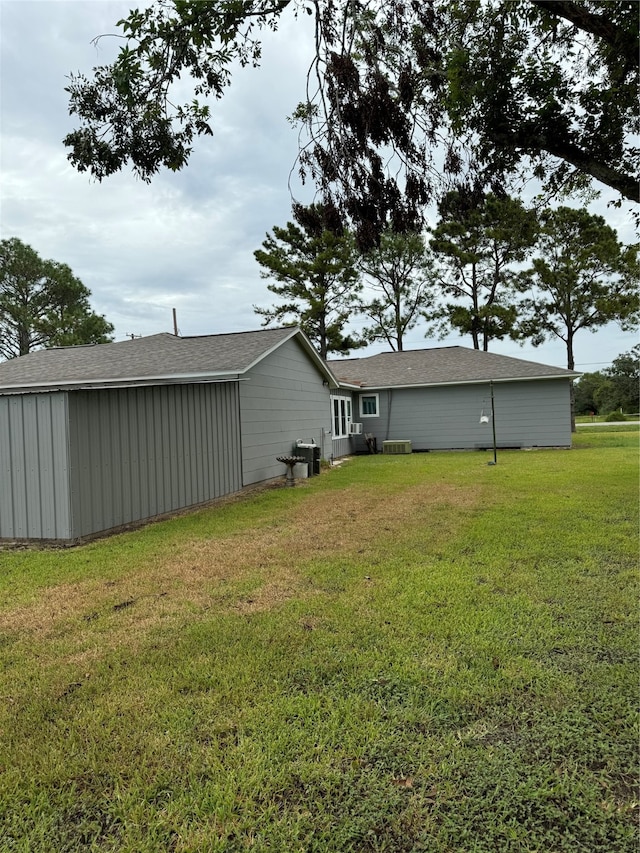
x,y
246,332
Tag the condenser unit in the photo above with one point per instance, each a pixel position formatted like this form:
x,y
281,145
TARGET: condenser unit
x,y
355,429
396,446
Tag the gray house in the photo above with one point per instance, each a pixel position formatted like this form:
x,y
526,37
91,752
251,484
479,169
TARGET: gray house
x,y
96,437
93,438
440,398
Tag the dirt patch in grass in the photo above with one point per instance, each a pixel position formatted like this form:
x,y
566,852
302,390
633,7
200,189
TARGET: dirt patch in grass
x,y
205,573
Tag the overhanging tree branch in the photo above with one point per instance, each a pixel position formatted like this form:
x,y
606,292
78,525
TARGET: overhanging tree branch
x,y
596,25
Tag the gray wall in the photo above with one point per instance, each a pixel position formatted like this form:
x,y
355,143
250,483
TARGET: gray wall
x,y
139,452
34,472
528,414
282,400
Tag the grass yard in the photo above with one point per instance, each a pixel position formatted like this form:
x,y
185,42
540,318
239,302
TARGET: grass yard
x,y
410,653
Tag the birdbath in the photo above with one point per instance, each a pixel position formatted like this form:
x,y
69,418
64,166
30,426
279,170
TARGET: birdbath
x,y
290,461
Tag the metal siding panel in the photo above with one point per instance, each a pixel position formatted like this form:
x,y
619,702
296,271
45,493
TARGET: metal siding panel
x,y
133,437
194,443
201,459
230,420
208,473
223,425
178,448
158,443
213,473
161,439
115,454
233,430
47,467
144,499
192,446
187,429
238,435
18,467
33,484
125,452
152,470
176,444
123,436
77,474
60,449
98,463
34,501
13,499
7,520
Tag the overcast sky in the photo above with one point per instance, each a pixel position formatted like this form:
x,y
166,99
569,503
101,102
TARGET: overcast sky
x,y
186,240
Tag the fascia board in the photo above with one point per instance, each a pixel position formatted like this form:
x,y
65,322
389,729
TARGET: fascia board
x,y
349,386
128,382
465,382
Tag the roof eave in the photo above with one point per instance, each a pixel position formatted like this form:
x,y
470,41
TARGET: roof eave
x,y
383,386
125,382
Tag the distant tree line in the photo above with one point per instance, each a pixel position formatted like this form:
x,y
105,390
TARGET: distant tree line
x,y
614,388
490,269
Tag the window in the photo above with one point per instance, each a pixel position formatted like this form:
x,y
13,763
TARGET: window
x,y
369,406
341,416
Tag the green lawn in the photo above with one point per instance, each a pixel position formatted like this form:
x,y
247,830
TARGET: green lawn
x,y
409,653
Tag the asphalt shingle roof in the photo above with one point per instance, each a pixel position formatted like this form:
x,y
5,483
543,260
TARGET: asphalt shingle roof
x,y
165,357
440,365
162,356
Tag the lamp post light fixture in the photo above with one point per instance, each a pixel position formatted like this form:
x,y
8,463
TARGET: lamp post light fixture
x,y
484,419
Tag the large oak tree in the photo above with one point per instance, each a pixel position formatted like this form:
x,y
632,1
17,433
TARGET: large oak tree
x,y
480,89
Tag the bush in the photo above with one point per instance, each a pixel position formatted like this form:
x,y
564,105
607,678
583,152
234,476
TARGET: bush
x,y
616,415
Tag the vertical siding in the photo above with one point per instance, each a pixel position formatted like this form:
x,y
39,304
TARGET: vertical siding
x,y
141,452
345,446
34,493
283,400
528,414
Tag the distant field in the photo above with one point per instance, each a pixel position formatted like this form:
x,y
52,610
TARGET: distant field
x,y
410,653
589,419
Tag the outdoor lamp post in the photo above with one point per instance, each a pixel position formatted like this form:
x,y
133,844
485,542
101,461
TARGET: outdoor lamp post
x,y
484,419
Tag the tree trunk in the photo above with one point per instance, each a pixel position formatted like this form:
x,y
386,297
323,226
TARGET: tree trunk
x,y
24,344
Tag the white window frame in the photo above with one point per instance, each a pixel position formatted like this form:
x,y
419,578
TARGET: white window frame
x,y
376,414
341,415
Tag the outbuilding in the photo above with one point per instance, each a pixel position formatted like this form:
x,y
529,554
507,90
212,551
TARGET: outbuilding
x,y
96,437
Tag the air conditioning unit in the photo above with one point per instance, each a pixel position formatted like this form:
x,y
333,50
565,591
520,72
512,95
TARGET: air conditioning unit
x,y
355,429
396,446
